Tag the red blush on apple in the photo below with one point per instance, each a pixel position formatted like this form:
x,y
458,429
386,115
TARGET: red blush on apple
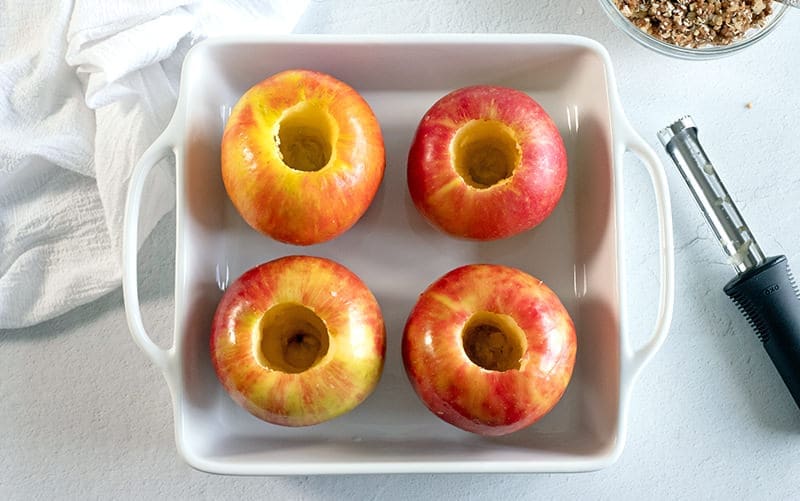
x,y
486,163
302,157
283,338
489,349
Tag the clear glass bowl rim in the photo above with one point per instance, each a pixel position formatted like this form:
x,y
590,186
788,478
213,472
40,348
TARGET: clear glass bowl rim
x,y
711,52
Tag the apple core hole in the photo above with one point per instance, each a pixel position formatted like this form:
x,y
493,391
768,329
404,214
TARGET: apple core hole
x,y
293,338
305,137
485,152
494,342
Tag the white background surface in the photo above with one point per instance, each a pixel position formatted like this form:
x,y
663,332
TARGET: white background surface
x,y
84,415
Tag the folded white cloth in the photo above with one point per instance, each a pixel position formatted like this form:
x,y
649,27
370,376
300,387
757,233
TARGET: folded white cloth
x,y
85,87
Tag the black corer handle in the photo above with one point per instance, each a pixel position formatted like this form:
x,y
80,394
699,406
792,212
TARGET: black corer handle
x,y
769,298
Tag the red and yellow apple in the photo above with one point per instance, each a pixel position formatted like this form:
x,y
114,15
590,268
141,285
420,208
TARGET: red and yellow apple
x,y
489,349
302,157
298,341
486,163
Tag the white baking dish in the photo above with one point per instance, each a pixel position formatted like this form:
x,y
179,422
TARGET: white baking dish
x,y
577,251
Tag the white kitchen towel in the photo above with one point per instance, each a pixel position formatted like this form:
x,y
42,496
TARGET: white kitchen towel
x,y
85,87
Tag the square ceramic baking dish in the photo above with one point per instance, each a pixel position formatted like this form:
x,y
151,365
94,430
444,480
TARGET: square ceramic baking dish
x,y
577,251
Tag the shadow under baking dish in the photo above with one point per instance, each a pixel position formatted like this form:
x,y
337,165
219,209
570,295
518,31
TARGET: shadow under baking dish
x,y
398,255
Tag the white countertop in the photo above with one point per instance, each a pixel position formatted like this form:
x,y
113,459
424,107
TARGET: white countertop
x,y
84,414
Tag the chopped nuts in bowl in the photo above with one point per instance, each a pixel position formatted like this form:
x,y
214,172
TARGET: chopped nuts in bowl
x,y
695,29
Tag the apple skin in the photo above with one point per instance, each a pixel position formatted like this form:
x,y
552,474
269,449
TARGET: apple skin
x,y
297,206
464,394
340,381
515,204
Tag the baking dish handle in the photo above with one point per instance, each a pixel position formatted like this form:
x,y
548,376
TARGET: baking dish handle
x,y
635,360
130,247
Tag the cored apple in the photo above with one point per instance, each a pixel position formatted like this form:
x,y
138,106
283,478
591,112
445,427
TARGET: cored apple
x,y
486,163
298,341
489,349
302,157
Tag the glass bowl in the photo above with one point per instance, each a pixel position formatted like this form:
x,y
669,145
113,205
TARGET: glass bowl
x,y
696,53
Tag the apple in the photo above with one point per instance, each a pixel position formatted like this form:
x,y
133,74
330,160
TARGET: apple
x,y
298,341
486,163
302,157
489,349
